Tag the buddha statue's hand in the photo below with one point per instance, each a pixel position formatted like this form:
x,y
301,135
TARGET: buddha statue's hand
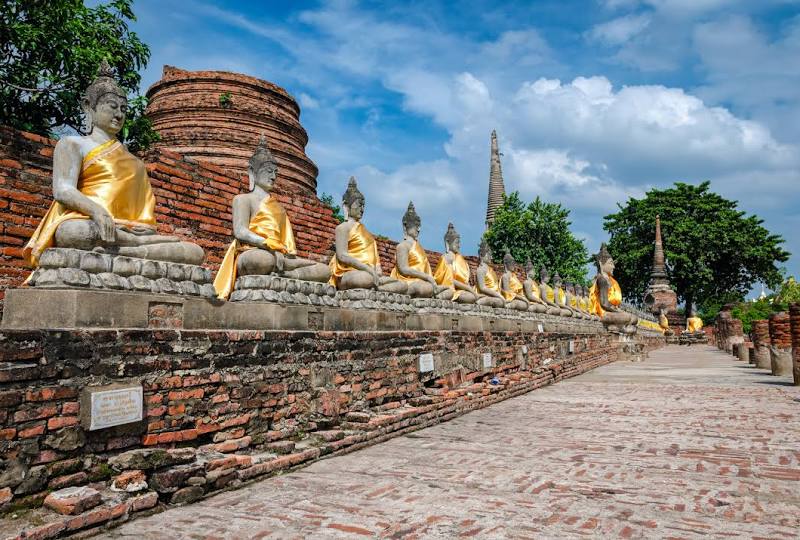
x,y
279,261
140,230
376,277
105,225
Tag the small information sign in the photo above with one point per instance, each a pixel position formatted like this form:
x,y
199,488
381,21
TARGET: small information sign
x,y
487,360
541,328
114,407
425,362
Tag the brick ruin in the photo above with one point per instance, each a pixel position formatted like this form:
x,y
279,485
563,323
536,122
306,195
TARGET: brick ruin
x,y
223,406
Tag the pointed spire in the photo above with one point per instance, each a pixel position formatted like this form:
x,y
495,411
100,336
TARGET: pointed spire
x,y
496,188
659,262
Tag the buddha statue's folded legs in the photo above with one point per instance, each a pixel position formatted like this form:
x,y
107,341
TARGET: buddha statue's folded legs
x,y
85,234
261,262
359,279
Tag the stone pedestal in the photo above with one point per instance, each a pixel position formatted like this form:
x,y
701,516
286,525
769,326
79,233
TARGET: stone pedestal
x,y
761,343
781,344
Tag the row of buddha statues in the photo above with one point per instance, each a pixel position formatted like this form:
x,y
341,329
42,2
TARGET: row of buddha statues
x,y
104,203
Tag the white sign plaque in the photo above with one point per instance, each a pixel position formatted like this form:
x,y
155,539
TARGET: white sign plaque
x,y
425,362
487,360
115,407
541,328
571,346
524,349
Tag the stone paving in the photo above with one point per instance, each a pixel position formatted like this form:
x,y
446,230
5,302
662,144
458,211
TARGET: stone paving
x,y
689,443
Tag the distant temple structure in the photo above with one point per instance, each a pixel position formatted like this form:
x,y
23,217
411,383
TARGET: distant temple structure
x,y
218,117
659,294
496,188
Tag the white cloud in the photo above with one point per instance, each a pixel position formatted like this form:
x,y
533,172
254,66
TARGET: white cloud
x,y
620,30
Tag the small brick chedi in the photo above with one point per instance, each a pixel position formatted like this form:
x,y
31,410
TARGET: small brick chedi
x,y
122,366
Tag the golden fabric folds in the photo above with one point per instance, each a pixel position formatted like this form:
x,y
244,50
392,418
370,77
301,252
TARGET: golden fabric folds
x,y
113,178
693,324
663,322
549,293
447,274
614,296
562,297
573,302
362,247
272,224
417,260
514,288
535,289
490,280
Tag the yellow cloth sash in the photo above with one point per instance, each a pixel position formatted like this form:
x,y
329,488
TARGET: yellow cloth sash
x,y
614,296
490,280
549,294
361,245
693,324
272,224
417,260
113,178
514,288
535,289
562,297
573,302
447,274
663,322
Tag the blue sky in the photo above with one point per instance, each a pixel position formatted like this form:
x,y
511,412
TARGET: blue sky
x,y
593,101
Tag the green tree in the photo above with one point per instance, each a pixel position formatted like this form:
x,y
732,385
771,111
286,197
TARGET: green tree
x,y
715,251
540,232
49,53
327,200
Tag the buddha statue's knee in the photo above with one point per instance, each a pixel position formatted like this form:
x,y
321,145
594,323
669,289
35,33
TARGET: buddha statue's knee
x,y
517,304
307,270
491,301
537,308
388,284
77,234
420,289
177,252
255,262
445,294
466,297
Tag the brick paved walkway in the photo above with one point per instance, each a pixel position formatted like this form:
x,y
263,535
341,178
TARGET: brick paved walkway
x,y
689,443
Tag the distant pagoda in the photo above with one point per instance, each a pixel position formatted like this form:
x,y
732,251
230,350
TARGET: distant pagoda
x,y
659,294
496,188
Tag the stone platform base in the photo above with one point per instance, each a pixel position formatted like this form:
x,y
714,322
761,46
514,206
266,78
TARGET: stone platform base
x,y
62,268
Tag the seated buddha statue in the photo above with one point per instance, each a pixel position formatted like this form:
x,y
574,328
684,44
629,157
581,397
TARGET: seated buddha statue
x,y
583,301
663,322
103,198
486,279
605,296
547,294
693,322
356,264
561,297
531,289
511,287
572,300
453,270
411,262
263,240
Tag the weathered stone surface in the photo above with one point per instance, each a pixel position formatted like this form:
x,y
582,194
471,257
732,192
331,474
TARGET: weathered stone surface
x,y
35,480
186,495
66,439
170,480
73,500
130,481
151,458
13,473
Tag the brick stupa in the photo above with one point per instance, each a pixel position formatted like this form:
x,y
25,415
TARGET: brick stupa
x,y
218,117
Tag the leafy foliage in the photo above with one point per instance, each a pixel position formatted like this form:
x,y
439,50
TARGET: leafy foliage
x,y
789,293
49,53
540,232
327,200
715,251
748,312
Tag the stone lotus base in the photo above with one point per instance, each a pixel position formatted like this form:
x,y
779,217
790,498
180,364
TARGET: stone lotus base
x,y
62,268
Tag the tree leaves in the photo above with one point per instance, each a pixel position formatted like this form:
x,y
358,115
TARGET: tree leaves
x,y
49,54
714,250
539,232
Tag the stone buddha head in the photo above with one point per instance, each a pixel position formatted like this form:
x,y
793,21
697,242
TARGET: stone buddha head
x,y
262,168
569,287
104,102
508,262
353,201
411,222
485,252
544,276
556,281
603,260
452,240
530,271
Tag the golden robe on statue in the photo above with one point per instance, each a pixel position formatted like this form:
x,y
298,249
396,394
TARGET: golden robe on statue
x,y
663,322
417,260
549,293
446,274
490,280
694,324
362,247
113,178
514,289
614,296
272,224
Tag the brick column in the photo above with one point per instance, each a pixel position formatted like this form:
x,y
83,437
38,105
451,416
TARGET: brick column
x,y
794,319
761,343
735,335
781,343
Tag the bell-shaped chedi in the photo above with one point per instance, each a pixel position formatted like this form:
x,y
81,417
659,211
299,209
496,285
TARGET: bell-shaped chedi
x,y
218,117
